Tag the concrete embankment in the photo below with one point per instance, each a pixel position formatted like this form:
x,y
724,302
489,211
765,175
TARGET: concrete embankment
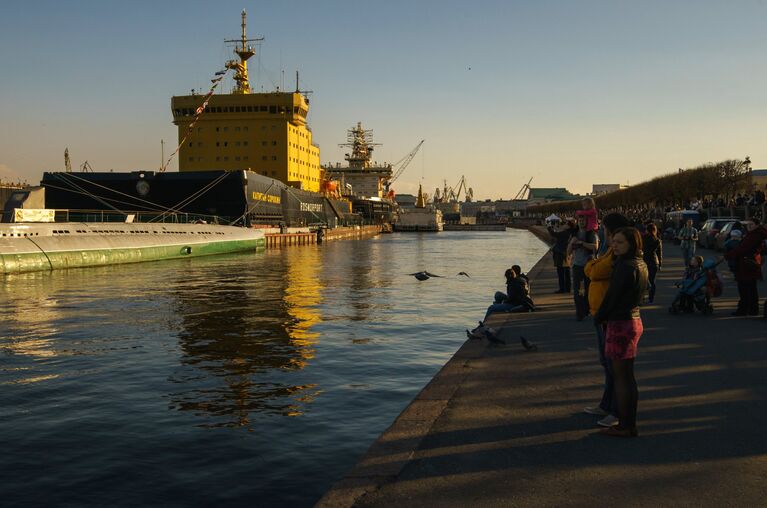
x,y
499,426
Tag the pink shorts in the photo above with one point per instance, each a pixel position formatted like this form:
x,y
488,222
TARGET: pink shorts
x,y
622,338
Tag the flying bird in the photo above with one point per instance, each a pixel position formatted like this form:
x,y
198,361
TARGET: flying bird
x,y
464,273
423,275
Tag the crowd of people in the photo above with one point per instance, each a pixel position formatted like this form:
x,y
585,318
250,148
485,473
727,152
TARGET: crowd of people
x,y
610,268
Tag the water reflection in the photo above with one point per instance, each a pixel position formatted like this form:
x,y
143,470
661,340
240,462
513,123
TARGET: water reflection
x,y
28,329
239,330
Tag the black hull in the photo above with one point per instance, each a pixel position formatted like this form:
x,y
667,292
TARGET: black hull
x,y
225,196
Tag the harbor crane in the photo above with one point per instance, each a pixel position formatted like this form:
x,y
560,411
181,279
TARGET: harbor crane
x,y
401,164
453,194
525,189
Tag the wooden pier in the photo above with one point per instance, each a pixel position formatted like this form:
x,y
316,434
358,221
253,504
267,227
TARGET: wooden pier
x,y
278,240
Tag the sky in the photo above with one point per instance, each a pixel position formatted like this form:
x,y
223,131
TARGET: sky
x,y
568,93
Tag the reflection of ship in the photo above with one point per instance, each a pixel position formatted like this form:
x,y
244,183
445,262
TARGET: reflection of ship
x,y
423,217
242,156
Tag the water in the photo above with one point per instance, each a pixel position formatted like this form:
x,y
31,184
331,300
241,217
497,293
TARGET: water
x,y
253,379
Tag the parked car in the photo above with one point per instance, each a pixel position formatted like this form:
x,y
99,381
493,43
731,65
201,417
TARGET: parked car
x,y
711,228
723,235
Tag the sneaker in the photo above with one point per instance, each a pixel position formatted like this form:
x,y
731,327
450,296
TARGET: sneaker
x,y
608,421
596,410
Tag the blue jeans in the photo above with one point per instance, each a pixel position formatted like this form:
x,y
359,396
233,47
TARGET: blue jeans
x,y
608,403
503,307
688,253
581,298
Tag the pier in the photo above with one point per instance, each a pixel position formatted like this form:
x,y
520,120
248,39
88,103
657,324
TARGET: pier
x,y
277,240
500,426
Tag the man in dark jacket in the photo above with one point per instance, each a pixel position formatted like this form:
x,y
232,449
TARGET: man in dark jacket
x,y
561,239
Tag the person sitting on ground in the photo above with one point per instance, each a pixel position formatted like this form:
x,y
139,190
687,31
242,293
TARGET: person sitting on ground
x,y
518,270
502,302
589,212
518,289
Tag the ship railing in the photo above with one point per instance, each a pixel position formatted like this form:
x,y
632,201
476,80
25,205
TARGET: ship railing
x,y
67,215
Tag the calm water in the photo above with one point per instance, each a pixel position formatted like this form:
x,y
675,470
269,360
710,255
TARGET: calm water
x,y
254,379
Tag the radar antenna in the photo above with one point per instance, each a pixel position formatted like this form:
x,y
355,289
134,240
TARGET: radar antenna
x,y
244,51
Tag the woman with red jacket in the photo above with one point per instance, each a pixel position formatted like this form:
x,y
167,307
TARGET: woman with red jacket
x,y
748,260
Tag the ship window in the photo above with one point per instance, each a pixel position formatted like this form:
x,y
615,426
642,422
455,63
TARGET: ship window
x,y
245,128
244,143
245,158
218,159
236,129
250,109
263,143
272,109
218,144
274,157
263,158
274,143
237,109
218,109
226,143
199,143
263,108
226,158
190,143
191,159
237,158
217,129
226,129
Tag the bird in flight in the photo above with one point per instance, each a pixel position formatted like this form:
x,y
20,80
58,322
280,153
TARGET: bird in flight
x,y
424,275
464,273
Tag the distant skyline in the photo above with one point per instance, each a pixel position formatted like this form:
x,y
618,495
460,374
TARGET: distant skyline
x,y
568,93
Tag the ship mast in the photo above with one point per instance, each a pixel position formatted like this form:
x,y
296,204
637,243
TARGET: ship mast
x,y
244,51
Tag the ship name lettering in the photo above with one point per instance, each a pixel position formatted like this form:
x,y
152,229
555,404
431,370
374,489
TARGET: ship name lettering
x,y
311,207
260,196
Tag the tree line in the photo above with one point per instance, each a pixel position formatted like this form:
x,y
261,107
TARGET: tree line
x,y
710,182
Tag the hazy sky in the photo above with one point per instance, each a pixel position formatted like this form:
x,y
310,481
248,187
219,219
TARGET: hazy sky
x,y
569,93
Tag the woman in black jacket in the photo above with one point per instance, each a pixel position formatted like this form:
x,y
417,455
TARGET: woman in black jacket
x,y
620,310
653,257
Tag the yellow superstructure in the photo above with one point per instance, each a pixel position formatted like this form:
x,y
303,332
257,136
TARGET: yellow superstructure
x,y
263,132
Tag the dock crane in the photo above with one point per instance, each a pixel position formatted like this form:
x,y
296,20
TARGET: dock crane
x,y
525,188
401,164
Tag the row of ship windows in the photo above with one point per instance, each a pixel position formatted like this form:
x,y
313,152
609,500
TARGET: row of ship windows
x,y
20,234
66,232
239,158
241,109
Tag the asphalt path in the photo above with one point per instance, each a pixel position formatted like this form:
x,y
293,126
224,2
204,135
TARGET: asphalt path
x,y
510,430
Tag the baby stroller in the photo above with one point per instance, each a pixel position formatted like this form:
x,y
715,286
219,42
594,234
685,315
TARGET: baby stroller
x,y
696,293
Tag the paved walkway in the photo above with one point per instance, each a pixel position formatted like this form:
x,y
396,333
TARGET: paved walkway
x,y
499,426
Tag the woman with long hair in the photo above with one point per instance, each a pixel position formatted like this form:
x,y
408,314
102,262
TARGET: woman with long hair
x,y
653,257
620,310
